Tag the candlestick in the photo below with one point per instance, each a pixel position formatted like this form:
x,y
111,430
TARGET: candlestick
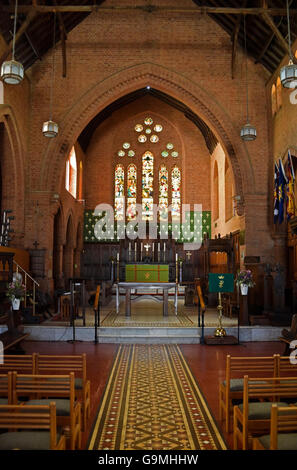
x,y
158,246
164,247
118,256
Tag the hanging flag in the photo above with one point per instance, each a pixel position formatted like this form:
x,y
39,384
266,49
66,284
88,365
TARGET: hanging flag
x,y
276,196
281,191
290,188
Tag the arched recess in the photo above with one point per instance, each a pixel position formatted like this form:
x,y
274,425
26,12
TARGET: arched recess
x,y
215,192
58,250
104,93
229,192
78,250
12,173
68,251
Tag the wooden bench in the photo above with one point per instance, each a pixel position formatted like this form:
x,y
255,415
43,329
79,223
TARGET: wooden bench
x,y
6,389
232,387
283,430
38,425
252,418
60,364
23,364
43,389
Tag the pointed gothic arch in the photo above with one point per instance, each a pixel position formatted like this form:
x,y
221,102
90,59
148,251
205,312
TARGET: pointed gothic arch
x,y
194,96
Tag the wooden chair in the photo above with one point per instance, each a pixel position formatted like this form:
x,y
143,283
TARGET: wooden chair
x,y
252,418
23,364
6,389
283,430
232,387
38,425
43,389
54,364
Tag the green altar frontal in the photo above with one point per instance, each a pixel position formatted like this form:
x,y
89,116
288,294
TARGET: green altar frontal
x,y
147,273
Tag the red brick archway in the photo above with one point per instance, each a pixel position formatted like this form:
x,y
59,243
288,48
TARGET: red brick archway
x,y
12,168
171,83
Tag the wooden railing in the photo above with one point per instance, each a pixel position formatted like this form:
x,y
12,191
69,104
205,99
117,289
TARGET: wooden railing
x,y
201,308
34,284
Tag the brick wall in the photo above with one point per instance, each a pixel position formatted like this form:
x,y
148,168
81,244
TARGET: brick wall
x,y
184,55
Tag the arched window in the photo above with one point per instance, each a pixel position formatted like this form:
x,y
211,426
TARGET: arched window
x,y
71,173
119,195
215,191
131,191
228,192
273,100
175,200
163,192
147,186
278,93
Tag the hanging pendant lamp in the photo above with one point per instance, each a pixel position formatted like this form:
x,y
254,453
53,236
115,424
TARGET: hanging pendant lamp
x,y
12,72
50,128
288,73
247,132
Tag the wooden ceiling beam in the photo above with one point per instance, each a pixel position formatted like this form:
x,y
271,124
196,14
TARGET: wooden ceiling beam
x,y
29,18
267,18
63,36
150,8
235,41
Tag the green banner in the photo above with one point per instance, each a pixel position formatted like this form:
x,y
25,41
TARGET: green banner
x,y
220,282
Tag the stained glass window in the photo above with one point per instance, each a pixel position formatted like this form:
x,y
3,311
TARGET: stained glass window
x,y
175,183
147,186
131,191
119,195
163,192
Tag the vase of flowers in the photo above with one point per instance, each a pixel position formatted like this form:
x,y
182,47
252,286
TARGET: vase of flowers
x,y
16,292
245,280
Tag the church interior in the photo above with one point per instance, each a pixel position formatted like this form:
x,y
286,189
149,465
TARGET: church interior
x,y
148,245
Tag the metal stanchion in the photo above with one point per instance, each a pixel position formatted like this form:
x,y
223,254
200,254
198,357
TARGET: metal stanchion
x,y
97,313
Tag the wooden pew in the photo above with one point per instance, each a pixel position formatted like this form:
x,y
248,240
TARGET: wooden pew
x,y
23,364
283,430
42,389
6,389
232,387
33,421
54,364
252,418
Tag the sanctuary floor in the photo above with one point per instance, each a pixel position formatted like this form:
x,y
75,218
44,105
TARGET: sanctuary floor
x,y
207,364
147,312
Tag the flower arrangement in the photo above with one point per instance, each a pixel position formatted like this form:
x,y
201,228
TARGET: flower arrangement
x,y
16,290
245,277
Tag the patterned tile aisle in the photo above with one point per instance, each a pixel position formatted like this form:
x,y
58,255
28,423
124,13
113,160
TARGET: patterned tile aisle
x,y
152,402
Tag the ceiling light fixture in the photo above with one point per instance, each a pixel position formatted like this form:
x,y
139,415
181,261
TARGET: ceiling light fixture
x,y
12,72
248,132
288,73
50,128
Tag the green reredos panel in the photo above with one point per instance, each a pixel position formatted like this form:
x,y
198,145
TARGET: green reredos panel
x,y
147,273
91,234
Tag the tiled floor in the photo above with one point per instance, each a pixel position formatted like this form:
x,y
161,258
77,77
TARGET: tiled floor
x,y
206,362
186,317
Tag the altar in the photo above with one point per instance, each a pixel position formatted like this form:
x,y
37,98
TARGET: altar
x,y
146,286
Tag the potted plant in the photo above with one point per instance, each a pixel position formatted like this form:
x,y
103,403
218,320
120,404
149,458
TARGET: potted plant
x,y
16,292
245,280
